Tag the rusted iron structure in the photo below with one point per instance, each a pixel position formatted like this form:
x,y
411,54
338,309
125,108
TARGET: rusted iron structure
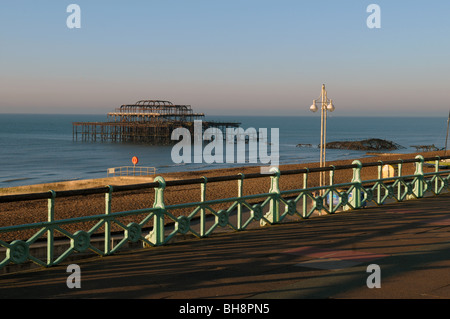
x,y
154,110
146,121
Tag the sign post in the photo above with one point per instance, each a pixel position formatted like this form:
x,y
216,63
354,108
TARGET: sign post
x,y
134,160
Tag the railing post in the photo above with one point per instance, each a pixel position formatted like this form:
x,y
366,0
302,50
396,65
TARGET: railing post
x,y
418,185
108,197
239,205
305,178
330,194
305,198
399,174
380,175
51,218
202,209
156,236
274,211
436,170
332,175
356,180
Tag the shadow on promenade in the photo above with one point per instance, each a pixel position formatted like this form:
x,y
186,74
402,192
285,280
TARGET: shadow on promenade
x,y
408,240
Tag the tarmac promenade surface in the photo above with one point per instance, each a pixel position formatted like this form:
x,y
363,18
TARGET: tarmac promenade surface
x,y
323,257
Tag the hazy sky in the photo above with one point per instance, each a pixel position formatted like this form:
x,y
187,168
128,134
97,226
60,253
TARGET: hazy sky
x,y
231,57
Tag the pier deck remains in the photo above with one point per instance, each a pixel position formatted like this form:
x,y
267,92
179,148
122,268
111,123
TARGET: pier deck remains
x,y
146,121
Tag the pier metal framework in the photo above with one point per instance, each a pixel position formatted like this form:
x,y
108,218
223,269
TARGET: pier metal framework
x,y
146,121
154,110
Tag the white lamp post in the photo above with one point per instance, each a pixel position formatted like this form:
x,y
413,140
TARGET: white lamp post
x,y
325,106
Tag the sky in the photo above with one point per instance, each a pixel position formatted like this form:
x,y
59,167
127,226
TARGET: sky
x,y
226,57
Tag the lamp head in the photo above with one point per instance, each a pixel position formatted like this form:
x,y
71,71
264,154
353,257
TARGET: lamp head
x,y
330,107
313,107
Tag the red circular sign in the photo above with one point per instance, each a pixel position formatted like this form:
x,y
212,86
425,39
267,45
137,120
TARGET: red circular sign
x,y
135,160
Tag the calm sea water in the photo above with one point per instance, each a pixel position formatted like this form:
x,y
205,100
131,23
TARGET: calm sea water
x,y
40,148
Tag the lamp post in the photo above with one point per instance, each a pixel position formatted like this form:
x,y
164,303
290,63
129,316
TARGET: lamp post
x,y
325,106
446,139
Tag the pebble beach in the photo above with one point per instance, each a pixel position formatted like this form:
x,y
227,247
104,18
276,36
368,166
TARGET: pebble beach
x,y
26,212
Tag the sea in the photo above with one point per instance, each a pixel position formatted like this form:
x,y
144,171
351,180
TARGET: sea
x,y
40,148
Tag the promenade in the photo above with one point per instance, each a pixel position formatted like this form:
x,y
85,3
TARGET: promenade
x,y
322,257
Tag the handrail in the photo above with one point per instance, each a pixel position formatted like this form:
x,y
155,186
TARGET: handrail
x,y
131,171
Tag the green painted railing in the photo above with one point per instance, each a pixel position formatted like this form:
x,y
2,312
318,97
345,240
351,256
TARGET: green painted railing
x,y
159,224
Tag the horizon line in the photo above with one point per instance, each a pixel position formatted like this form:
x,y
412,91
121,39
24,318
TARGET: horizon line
x,y
243,115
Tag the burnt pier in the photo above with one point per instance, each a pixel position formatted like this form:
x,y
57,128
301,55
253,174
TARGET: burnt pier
x,y
146,121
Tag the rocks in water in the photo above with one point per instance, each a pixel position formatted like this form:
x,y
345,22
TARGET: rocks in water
x,y
304,145
373,144
426,148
